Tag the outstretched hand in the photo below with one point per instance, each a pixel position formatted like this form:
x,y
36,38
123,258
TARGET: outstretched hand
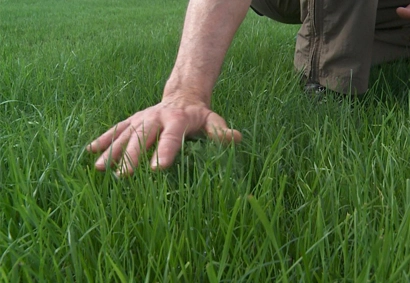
x,y
169,121
404,12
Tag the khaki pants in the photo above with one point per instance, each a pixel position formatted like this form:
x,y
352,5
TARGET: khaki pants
x,y
339,40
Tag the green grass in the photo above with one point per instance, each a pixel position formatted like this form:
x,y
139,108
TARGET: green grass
x,y
314,193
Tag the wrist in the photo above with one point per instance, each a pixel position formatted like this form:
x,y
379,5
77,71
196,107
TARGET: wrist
x,y
188,90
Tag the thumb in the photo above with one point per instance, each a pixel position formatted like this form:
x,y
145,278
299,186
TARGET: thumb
x,y
404,12
217,130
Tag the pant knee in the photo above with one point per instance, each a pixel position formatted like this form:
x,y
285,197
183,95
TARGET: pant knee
x,y
284,11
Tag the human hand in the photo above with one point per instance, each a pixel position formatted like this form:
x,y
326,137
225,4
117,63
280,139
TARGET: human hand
x,y
171,120
404,12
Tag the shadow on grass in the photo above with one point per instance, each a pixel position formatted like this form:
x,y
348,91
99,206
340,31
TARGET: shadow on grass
x,y
390,82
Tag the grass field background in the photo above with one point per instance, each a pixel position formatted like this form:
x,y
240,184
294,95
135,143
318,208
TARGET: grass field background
x,y
314,193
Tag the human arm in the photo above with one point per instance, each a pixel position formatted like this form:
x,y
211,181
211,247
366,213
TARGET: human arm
x,y
185,107
404,12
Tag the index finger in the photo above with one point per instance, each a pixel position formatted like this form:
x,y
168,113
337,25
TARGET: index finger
x,y
103,142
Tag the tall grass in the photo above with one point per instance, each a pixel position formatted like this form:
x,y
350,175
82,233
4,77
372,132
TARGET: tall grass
x,y
315,192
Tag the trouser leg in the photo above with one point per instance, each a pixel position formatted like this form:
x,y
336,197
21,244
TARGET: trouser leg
x,y
284,11
392,34
335,41
340,40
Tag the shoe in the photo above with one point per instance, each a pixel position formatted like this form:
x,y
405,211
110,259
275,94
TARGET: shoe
x,y
316,92
314,88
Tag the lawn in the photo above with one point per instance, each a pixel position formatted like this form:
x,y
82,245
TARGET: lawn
x,y
316,192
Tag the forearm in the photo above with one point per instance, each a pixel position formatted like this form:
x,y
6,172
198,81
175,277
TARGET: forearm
x,y
209,28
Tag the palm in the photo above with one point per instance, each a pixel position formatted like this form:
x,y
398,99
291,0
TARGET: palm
x,y
170,121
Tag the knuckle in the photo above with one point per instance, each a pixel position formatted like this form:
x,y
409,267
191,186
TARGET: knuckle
x,y
170,138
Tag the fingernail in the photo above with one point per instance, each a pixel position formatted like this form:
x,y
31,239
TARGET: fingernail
x,y
157,162
100,162
121,171
117,175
